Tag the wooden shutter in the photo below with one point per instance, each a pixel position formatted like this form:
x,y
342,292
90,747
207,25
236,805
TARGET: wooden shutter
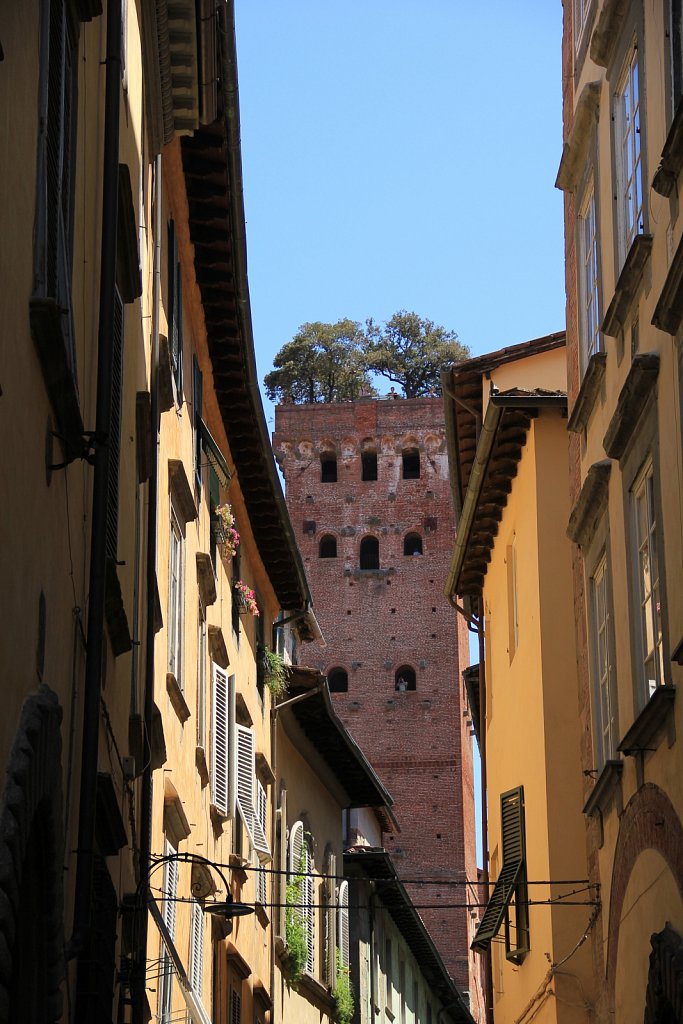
x,y
296,846
197,400
514,852
197,948
330,921
235,1007
343,925
310,909
115,430
245,791
281,888
262,809
219,740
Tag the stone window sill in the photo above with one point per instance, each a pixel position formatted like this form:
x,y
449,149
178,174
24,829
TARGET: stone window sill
x,y
588,392
607,785
627,286
646,732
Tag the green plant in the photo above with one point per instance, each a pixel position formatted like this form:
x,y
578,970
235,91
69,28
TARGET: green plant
x,y
274,671
295,929
343,994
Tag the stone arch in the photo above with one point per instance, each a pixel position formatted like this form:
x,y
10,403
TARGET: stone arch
x,y
31,869
649,822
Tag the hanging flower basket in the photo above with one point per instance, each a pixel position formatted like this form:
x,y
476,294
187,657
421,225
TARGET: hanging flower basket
x,y
225,532
244,598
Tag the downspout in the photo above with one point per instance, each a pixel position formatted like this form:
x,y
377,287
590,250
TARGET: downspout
x,y
139,980
371,924
98,537
488,974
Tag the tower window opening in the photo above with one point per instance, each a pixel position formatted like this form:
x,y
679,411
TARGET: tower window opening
x,y
369,553
412,544
369,466
411,464
328,469
405,679
327,547
338,680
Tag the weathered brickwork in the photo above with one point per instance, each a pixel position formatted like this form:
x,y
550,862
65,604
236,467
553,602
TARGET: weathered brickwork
x,y
379,621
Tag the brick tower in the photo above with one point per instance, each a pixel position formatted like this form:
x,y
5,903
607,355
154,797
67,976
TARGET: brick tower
x,y
368,492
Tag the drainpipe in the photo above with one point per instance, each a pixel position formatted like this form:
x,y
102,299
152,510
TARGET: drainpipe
x,y
371,923
98,537
488,976
138,993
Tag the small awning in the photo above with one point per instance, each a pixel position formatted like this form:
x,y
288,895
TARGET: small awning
x,y
193,1000
214,455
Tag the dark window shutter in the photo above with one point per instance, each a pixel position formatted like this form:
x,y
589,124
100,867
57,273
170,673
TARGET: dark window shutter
x,y
512,872
197,398
115,430
95,988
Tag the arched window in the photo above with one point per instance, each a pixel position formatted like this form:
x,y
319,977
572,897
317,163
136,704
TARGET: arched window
x,y
368,466
328,468
327,547
412,544
405,679
338,680
411,464
369,553
300,868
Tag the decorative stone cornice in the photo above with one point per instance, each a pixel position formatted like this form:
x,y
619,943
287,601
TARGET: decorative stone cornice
x,y
576,147
590,503
606,31
637,388
669,309
627,286
671,161
590,386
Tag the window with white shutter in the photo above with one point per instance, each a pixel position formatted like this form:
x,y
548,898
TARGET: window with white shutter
x,y
343,925
222,717
301,863
196,964
262,809
176,597
168,911
246,781
331,937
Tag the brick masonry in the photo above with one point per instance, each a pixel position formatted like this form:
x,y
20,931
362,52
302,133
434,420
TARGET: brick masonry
x,y
375,622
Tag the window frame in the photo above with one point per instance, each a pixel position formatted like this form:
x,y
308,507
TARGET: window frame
x,y
176,595
602,662
168,912
588,272
201,675
644,488
301,862
630,53
673,45
369,541
327,539
410,471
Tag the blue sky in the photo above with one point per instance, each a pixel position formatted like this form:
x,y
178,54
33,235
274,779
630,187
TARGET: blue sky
x,y
402,156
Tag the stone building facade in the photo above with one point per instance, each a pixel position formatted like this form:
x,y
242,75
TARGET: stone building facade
x,y
368,492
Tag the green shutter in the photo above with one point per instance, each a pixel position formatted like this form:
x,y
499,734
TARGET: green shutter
x,y
514,853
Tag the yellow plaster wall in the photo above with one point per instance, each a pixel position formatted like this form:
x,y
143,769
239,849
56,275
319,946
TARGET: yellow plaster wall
x,y
532,729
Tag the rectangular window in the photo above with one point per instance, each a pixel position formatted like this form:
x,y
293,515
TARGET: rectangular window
x,y
197,402
627,128
262,813
651,669
175,598
201,676
175,312
513,606
196,960
168,911
588,281
222,700
603,684
247,792
581,11
509,899
675,33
